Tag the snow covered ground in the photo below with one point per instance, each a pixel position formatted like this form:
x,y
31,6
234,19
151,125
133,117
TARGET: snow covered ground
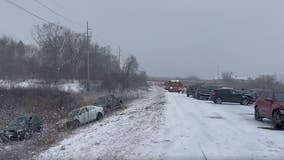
x,y
165,125
204,130
116,136
66,85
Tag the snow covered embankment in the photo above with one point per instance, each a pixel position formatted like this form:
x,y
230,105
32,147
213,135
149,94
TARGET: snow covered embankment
x,y
117,136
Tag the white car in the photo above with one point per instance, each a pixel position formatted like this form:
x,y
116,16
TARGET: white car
x,y
81,116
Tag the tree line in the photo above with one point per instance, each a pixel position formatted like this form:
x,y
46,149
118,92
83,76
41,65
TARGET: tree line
x,y
60,53
260,82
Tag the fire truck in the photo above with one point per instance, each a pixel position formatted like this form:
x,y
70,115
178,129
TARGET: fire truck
x,y
175,86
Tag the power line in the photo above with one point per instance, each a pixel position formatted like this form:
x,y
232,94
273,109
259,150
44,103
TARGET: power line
x,y
27,11
45,20
55,13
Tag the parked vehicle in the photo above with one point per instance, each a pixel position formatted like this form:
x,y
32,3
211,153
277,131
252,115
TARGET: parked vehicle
x,y
81,116
251,93
203,92
175,86
270,105
190,90
21,128
109,103
230,95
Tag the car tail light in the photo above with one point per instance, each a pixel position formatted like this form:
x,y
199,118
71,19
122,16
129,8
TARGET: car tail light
x,y
213,93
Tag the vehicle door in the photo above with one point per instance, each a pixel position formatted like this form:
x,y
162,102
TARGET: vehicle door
x,y
235,96
83,115
225,95
110,102
267,104
92,114
115,101
261,102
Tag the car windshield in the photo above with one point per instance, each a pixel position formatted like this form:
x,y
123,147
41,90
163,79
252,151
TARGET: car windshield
x,y
22,121
100,101
73,113
234,92
279,97
204,89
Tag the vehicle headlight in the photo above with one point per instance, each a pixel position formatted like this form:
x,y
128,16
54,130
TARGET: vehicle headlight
x,y
282,111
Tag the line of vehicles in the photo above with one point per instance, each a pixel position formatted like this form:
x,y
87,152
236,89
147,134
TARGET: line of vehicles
x,y
267,104
22,128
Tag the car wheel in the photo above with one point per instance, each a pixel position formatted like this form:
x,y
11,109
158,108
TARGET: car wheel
x,y
218,101
187,95
23,136
275,119
37,129
245,102
75,124
4,139
257,115
27,135
198,97
99,116
108,109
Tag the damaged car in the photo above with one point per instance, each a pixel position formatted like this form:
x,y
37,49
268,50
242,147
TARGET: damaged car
x,y
21,128
109,103
80,116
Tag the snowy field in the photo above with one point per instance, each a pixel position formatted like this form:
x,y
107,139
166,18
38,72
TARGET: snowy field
x,y
164,125
67,86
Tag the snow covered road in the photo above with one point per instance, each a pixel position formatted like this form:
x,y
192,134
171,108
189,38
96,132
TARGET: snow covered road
x,y
164,125
203,130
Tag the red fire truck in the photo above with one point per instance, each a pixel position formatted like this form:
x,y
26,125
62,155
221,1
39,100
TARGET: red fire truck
x,y
175,86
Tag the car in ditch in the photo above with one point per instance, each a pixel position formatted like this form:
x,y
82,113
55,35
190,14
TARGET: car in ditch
x,y
21,128
219,96
270,105
109,103
81,116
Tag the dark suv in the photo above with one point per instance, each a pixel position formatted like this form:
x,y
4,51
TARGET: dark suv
x,y
271,105
203,92
230,95
109,103
21,128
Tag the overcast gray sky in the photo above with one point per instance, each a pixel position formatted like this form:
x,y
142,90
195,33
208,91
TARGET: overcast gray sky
x,y
171,37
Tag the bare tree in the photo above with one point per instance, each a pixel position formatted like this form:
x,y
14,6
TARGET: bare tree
x,y
227,76
51,40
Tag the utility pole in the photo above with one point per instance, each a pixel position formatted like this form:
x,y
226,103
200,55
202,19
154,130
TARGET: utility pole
x,y
88,61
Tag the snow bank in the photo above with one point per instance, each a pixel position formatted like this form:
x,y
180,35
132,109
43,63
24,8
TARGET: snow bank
x,y
67,86
31,83
71,87
115,137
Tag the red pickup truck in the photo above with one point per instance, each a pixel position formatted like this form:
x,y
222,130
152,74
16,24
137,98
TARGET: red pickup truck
x,y
270,105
